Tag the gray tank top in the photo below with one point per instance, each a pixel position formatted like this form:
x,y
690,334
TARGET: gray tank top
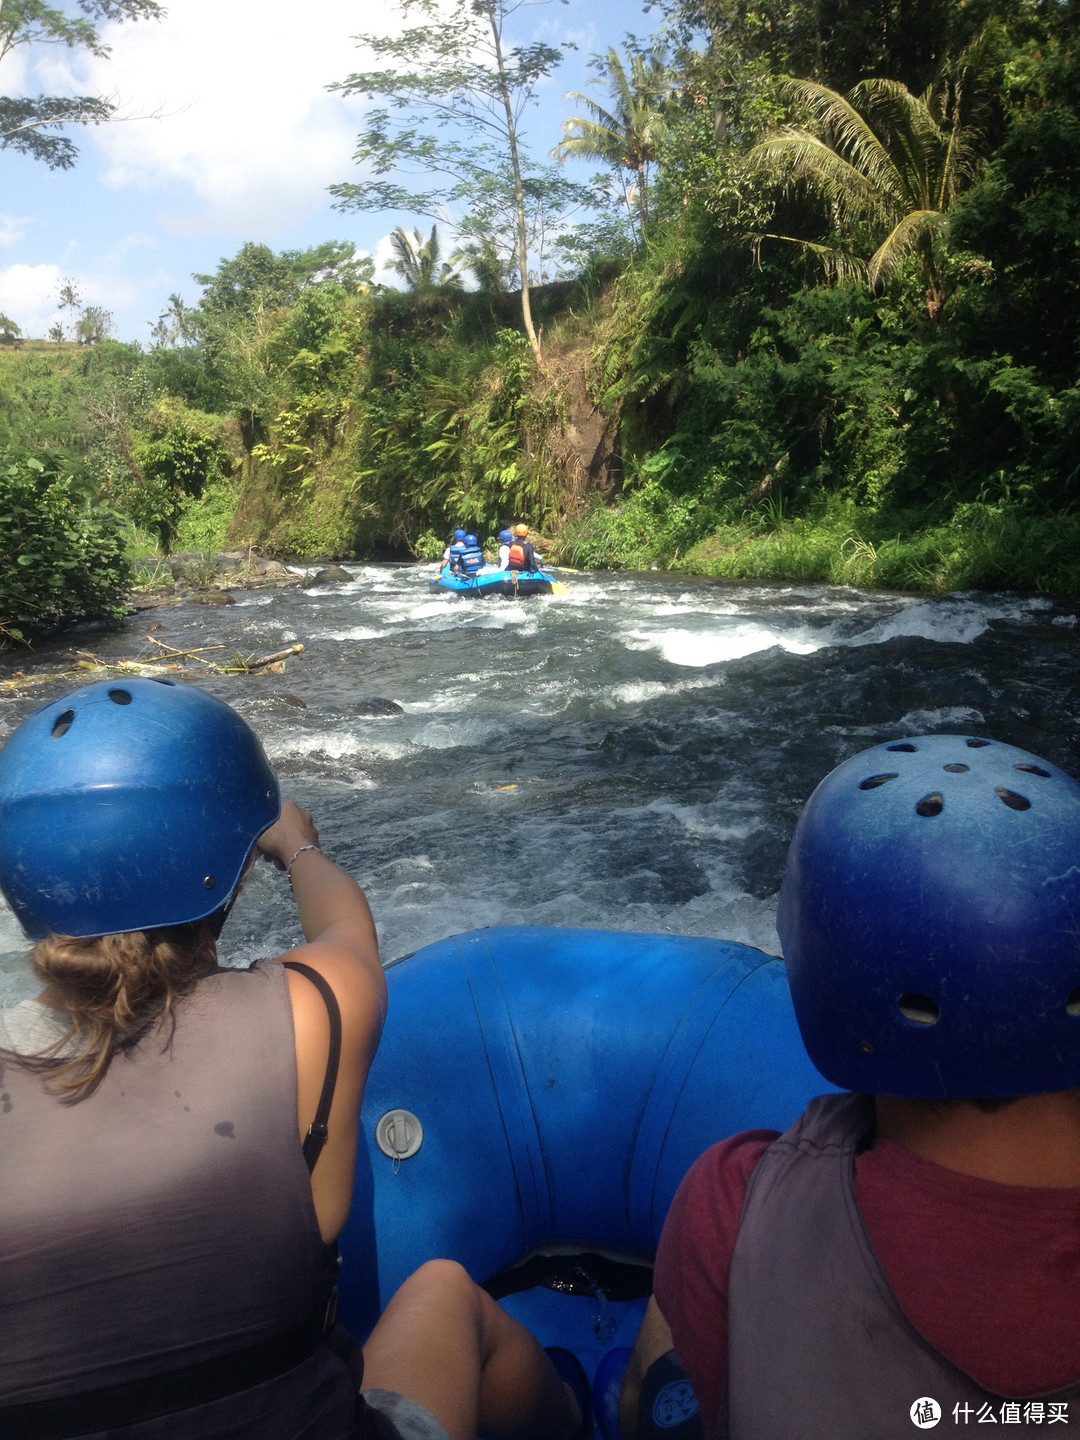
x,y
167,1219
818,1346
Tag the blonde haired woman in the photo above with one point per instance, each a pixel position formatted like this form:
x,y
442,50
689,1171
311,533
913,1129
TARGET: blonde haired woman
x,y
178,1141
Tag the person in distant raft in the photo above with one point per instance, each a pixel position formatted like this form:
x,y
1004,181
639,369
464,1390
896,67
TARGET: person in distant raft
x,y
907,1253
505,539
522,556
178,1141
458,540
471,559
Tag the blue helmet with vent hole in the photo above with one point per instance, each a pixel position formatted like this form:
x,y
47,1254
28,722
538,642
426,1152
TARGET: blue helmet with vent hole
x,y
128,805
930,921
459,534
505,536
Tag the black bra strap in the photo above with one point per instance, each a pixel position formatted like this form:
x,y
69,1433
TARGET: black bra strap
x,y
315,1138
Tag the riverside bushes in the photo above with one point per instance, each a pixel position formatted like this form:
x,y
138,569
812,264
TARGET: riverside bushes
x,y
61,556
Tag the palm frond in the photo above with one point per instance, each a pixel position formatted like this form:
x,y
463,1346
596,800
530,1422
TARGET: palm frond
x,y
851,134
795,157
913,229
839,265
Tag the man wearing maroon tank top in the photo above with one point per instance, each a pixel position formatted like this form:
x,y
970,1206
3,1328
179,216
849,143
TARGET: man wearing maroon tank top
x,y
907,1255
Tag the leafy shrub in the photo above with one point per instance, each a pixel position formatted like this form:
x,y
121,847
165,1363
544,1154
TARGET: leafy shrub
x,y
204,523
61,557
174,458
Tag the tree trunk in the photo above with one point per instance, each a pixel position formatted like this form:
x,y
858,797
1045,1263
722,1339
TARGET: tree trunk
x,y
491,7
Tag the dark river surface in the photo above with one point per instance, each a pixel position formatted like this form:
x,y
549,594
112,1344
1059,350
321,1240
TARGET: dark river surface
x,y
631,755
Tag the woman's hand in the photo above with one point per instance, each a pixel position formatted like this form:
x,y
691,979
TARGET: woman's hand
x,y
292,829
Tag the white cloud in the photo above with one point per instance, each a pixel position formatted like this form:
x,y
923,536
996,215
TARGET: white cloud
x,y
28,296
12,229
244,121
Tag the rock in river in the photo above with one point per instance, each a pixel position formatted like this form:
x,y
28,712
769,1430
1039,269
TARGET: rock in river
x,y
373,705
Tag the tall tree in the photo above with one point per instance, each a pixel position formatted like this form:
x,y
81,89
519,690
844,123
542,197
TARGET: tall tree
x,y
627,136
70,300
29,123
458,89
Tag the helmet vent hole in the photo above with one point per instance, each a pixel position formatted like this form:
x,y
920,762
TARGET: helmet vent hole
x,y
1034,770
873,781
1072,1004
159,681
120,697
957,769
1012,800
977,744
908,749
919,1009
62,724
931,804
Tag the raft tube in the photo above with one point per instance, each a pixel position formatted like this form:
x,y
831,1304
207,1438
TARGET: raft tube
x,y
510,584
550,1088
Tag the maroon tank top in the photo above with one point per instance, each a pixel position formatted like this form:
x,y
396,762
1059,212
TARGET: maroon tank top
x,y
167,1219
818,1346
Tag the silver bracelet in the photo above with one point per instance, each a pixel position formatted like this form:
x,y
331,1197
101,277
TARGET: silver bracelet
x,y
299,852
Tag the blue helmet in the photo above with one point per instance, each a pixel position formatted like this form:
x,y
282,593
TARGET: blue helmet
x,y
470,539
930,921
459,534
505,536
128,805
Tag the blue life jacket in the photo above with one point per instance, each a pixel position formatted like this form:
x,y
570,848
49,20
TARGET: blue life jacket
x,y
471,559
457,550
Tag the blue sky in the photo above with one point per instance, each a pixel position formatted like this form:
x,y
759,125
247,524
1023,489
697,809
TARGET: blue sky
x,y
231,137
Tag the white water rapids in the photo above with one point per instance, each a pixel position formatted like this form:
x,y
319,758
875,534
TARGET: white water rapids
x,y
630,755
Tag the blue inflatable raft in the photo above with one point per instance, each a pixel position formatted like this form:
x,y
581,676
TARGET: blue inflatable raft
x,y
536,1099
510,584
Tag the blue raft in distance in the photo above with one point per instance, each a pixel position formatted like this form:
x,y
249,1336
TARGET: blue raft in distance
x,y
542,1092
510,584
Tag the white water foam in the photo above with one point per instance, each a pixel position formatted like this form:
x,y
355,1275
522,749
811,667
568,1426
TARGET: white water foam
x,y
333,744
714,647
955,717
640,692
356,632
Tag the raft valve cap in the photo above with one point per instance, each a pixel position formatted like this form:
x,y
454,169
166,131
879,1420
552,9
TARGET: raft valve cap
x,y
399,1134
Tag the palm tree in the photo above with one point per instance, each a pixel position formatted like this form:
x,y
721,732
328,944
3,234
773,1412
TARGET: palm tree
x,y
482,258
884,158
627,137
178,318
419,262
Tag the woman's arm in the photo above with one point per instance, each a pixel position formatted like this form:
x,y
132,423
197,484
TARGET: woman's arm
x,y
343,948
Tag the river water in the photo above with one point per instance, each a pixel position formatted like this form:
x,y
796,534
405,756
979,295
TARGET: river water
x,y
629,755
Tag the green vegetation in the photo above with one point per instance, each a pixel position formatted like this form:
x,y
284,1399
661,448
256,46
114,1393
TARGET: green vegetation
x,y
821,323
61,556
